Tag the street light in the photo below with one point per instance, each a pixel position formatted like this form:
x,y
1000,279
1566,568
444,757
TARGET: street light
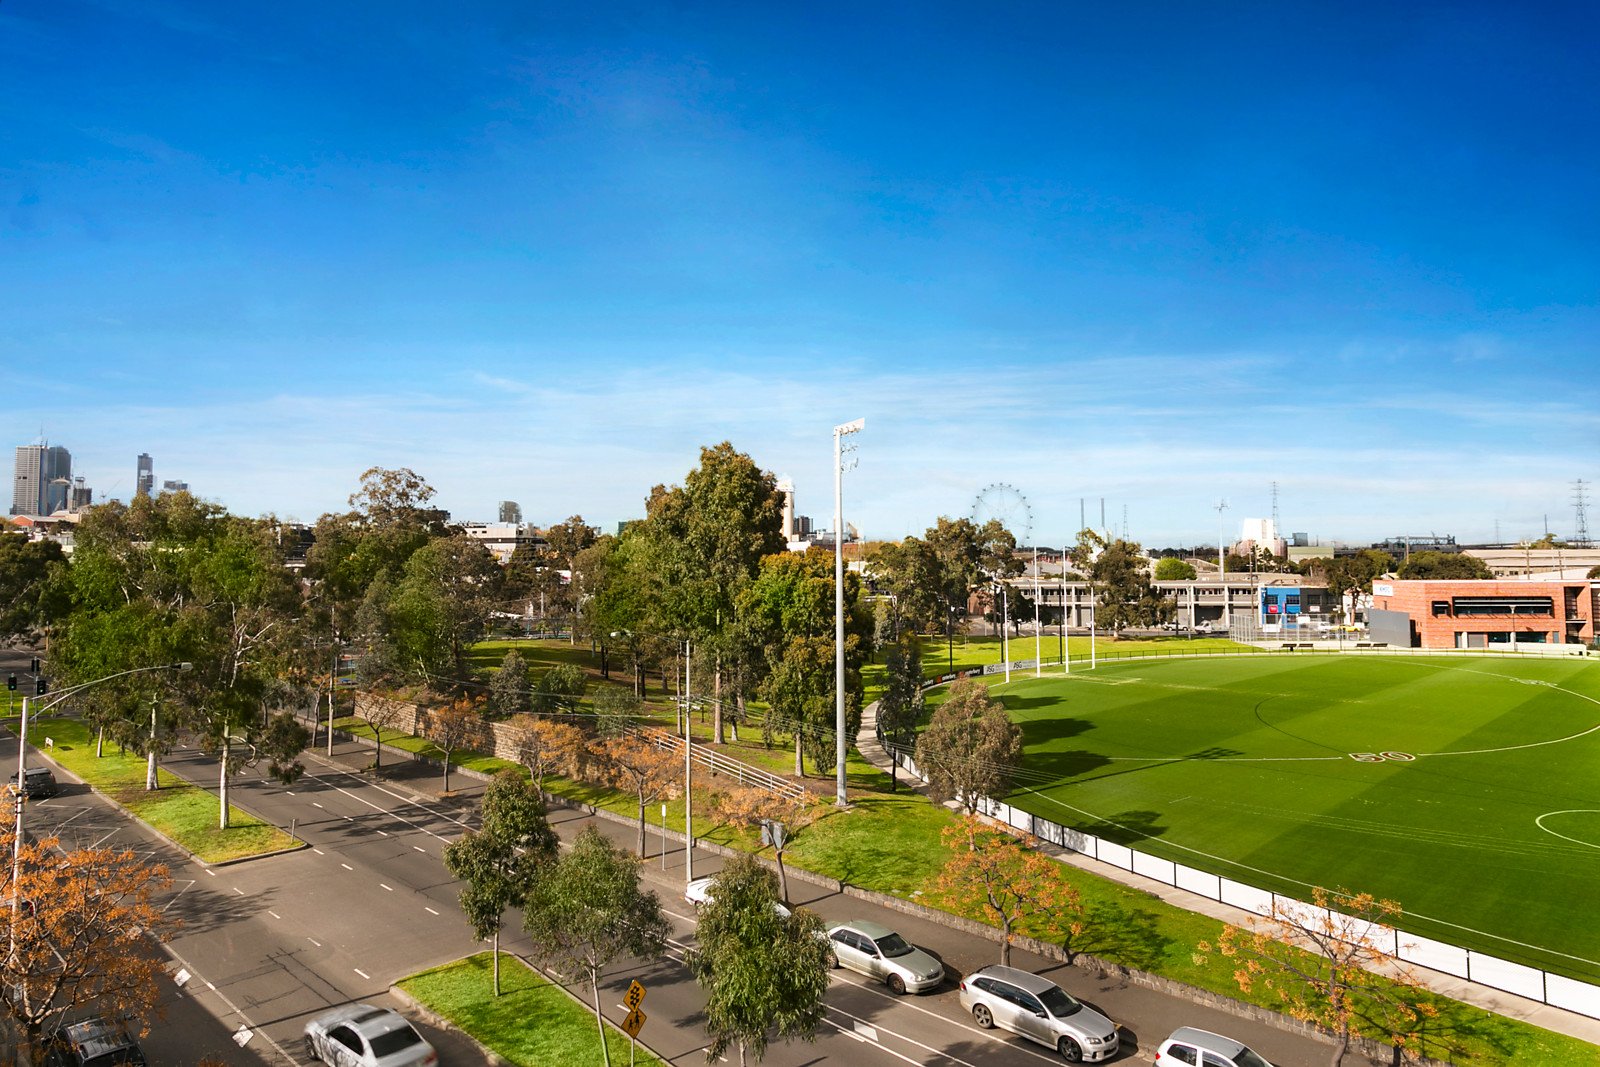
x,y
688,766
22,777
840,432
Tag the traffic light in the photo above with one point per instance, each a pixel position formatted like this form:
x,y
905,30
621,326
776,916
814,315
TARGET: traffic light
x,y
11,680
35,667
39,687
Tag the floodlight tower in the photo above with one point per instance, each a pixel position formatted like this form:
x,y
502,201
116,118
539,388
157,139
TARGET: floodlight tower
x,y
1222,565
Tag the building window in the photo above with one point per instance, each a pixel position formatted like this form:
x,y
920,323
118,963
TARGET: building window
x,y
1505,605
1441,607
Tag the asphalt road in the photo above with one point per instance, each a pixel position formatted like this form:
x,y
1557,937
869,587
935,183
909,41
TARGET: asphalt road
x,y
272,942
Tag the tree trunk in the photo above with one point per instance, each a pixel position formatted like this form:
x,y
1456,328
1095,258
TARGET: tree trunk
x,y
783,877
377,748
1005,943
600,1020
447,770
717,736
641,825
222,785
799,763
100,743
496,951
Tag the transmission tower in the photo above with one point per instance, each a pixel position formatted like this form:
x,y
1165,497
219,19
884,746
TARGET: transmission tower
x,y
1580,505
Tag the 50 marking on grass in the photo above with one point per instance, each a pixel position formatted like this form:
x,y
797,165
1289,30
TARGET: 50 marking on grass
x,y
1382,757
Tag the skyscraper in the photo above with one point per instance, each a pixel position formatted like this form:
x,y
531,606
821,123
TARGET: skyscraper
x,y
510,511
37,467
146,479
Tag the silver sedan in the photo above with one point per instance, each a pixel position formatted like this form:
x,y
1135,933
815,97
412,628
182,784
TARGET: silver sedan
x,y
878,952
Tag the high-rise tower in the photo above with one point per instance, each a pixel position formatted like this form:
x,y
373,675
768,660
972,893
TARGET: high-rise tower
x,y
145,481
38,466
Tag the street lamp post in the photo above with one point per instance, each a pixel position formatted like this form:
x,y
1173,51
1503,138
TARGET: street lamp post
x,y
840,432
22,777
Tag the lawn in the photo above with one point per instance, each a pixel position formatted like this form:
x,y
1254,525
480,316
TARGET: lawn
x,y
531,1024
1460,788
186,814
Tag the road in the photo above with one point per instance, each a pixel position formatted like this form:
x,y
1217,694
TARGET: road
x,y
271,942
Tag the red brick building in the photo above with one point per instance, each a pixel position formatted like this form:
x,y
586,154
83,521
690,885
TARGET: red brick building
x,y
1482,614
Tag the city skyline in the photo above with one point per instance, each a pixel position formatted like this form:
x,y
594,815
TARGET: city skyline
x,y
1159,257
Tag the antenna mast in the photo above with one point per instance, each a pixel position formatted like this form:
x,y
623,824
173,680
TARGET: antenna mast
x,y
1580,504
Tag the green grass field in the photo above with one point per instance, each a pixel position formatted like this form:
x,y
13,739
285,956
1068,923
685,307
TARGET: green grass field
x,y
1467,789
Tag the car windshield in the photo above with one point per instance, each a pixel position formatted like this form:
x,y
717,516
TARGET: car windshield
x,y
1246,1058
395,1040
125,1057
893,945
1059,1003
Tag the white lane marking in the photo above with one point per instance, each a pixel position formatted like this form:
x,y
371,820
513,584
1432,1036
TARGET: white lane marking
x,y
289,791
362,973
318,851
231,1005
376,807
314,941
429,910
419,848
314,804
274,914
211,872
347,867
236,889
389,888
385,833
929,1048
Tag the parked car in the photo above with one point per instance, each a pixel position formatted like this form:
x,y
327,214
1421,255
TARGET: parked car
x,y
93,1043
1202,1048
878,952
1041,1011
698,893
359,1035
36,782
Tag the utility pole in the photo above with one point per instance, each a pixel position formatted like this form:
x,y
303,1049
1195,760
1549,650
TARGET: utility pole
x,y
1222,566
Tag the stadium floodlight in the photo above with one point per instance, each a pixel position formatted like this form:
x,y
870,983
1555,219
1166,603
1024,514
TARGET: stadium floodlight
x,y
840,432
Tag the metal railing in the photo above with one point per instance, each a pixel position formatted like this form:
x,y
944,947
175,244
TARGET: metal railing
x,y
718,764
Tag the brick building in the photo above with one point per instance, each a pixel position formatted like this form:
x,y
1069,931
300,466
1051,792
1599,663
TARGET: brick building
x,y
1482,614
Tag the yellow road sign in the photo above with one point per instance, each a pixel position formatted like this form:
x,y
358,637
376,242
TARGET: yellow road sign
x,y
633,1022
635,995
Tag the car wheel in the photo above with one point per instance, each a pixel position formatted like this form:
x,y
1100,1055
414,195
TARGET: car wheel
x,y
1069,1049
833,958
897,985
311,1050
983,1016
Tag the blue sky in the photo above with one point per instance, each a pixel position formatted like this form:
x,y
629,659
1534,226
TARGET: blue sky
x,y
1159,254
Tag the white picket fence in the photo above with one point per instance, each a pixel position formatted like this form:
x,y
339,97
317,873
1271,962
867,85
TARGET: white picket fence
x,y
1469,964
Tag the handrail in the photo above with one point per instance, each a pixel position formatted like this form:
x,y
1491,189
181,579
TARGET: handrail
x,y
717,763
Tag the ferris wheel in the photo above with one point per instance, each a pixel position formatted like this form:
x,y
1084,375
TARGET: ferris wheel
x,y
1006,503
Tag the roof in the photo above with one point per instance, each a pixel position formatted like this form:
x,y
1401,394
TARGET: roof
x,y
868,927
1017,977
1205,1039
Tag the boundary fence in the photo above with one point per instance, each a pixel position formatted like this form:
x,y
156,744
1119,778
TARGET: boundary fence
x,y
1556,990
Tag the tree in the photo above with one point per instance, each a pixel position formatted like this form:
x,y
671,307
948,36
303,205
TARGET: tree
x,y
901,706
970,747
633,764
588,909
1010,881
75,944
442,604
1441,566
560,688
909,572
1173,569
508,686
763,972
28,599
776,816
503,859
457,726
381,715
1594,572
547,747
787,613
1323,959
1348,577
706,540
1124,594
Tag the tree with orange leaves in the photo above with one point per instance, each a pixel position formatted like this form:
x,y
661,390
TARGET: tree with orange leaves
x,y
73,919
1322,959
1009,879
630,762
779,816
458,726
546,746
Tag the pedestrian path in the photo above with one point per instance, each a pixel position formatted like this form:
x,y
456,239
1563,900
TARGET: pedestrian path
x,y
1494,1000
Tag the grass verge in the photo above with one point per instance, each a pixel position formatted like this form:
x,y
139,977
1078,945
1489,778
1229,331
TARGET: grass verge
x,y
531,1023
185,814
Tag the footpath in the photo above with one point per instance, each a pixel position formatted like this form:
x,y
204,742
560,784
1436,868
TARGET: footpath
x,y
1493,1000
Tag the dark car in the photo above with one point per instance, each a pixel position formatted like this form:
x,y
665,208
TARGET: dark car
x,y
94,1043
37,782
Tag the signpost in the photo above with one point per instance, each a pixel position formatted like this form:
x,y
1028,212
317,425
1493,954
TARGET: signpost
x,y
634,1021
